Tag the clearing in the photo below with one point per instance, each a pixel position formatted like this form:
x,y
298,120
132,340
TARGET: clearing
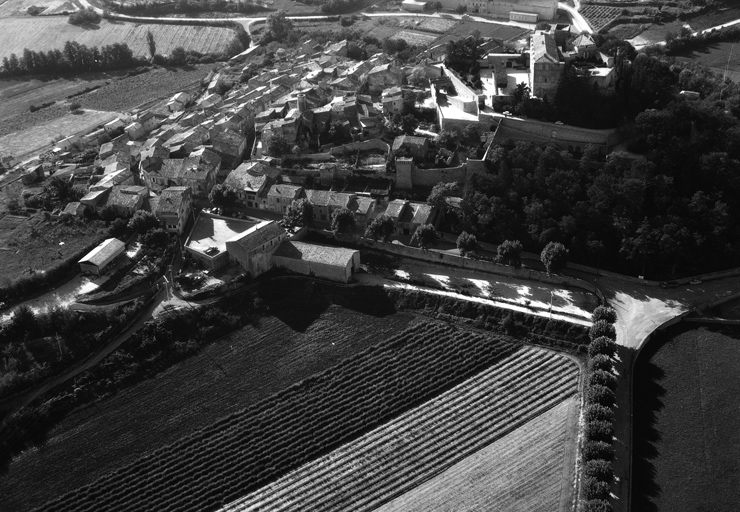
x,y
400,456
35,243
686,440
258,360
50,33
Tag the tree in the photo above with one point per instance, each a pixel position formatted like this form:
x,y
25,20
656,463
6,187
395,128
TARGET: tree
x,y
223,196
601,395
424,236
602,328
178,56
277,27
151,44
554,256
381,227
440,193
597,506
594,450
595,489
603,378
343,221
74,106
471,135
155,242
143,221
298,214
118,228
600,430
509,252
467,243
277,146
598,412
409,124
600,361
605,313
600,469
602,346
521,93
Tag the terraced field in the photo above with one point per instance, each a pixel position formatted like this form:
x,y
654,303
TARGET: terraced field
x,y
404,453
599,16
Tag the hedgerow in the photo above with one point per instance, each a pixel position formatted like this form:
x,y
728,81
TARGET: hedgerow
x,y
594,450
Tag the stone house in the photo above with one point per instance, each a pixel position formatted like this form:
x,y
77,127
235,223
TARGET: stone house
x,y
174,208
280,196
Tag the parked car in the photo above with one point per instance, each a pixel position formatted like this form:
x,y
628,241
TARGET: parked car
x,y
668,284
559,123
695,281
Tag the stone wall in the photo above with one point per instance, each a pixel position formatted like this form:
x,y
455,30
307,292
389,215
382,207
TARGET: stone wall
x,y
365,145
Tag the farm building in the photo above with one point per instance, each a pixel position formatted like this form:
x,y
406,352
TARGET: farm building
x,y
207,240
252,249
96,261
413,5
333,263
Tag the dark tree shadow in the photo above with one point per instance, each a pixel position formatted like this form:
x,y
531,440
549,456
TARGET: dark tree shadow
x,y
646,437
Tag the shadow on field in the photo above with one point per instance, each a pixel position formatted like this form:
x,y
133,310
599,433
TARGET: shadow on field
x,y
299,302
647,403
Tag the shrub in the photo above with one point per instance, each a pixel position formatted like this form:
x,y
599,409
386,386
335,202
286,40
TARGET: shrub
x,y
600,361
594,450
594,489
597,506
602,378
467,243
602,346
600,469
602,328
598,412
75,106
601,395
600,431
606,313
84,17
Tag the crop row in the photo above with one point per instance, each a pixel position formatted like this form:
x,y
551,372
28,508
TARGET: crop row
x,y
405,452
246,450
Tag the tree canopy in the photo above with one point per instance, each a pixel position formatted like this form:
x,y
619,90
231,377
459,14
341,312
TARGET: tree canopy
x,y
343,221
381,227
424,236
298,214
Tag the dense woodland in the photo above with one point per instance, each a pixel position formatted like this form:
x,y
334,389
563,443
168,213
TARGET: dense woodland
x,y
665,208
74,57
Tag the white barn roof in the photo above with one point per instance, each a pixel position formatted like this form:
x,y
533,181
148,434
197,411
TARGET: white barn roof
x,y
104,253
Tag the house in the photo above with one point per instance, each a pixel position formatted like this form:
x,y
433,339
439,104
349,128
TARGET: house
x,y
230,146
99,259
250,187
174,207
385,75
280,196
392,100
545,64
148,121
324,202
95,199
197,171
68,142
363,207
114,125
125,200
417,147
333,263
253,248
135,131
74,209
178,101
413,216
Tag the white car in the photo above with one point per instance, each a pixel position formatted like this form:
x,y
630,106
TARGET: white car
x,y
559,123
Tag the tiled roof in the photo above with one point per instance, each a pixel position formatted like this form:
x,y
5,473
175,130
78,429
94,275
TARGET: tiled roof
x,y
170,200
337,256
287,191
328,198
241,179
258,235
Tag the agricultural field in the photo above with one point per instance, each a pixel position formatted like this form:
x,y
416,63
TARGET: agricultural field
x,y
651,34
504,32
257,361
599,16
525,395
714,18
38,244
247,449
50,33
20,7
31,140
415,38
436,25
686,440
539,458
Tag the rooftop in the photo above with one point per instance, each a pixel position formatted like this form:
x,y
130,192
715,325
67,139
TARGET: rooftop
x,y
315,253
105,252
213,231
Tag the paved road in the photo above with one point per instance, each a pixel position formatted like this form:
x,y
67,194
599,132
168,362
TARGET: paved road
x,y
579,22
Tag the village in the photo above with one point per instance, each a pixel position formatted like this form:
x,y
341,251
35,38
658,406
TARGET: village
x,y
363,139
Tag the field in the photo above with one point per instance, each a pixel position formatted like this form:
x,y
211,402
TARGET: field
x,y
35,243
244,451
539,458
717,56
49,33
715,18
599,16
438,25
503,32
449,432
116,94
258,360
31,140
415,38
686,440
